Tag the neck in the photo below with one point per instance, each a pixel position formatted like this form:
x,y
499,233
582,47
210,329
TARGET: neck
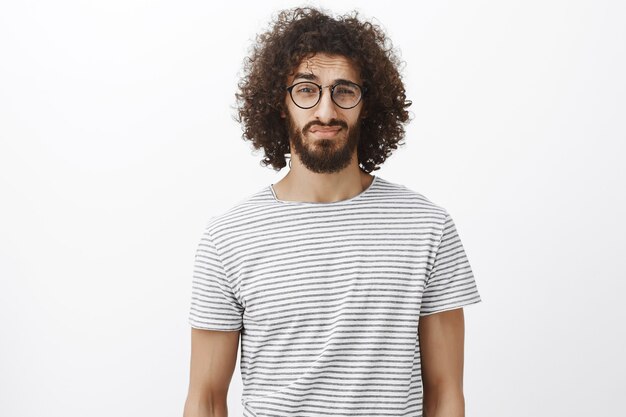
x,y
303,185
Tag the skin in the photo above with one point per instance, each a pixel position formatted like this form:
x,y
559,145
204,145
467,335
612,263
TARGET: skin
x,y
213,360
442,342
326,170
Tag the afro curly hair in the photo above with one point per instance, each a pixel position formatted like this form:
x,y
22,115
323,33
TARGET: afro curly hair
x,y
297,34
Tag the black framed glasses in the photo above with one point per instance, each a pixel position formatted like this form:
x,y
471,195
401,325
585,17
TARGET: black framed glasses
x,y
307,94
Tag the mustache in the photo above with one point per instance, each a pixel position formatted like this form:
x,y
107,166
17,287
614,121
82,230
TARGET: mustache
x,y
332,122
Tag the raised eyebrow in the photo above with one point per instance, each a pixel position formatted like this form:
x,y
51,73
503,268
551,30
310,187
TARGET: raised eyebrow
x,y
313,77
343,81
306,76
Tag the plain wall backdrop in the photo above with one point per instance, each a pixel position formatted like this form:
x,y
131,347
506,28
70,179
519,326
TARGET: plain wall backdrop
x,y
117,144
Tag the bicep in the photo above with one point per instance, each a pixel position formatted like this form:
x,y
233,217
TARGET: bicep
x,y
441,337
213,360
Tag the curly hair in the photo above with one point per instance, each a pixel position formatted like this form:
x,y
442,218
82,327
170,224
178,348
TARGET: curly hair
x,y
297,34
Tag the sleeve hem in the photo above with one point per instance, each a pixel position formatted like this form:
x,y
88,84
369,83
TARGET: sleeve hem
x,y
215,328
451,307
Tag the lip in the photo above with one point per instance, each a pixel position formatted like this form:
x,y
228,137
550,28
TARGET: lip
x,y
325,132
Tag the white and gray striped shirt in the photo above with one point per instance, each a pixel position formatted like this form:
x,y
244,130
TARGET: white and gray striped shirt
x,y
328,297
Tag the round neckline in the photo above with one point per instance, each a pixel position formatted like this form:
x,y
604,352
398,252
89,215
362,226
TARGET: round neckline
x,y
314,203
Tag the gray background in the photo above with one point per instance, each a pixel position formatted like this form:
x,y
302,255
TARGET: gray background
x,y
117,144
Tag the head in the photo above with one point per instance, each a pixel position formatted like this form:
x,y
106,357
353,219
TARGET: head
x,y
343,55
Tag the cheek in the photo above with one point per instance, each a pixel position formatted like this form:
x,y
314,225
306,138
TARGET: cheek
x,y
300,118
290,111
352,119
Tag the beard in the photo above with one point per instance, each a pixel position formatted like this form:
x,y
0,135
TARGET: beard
x,y
322,155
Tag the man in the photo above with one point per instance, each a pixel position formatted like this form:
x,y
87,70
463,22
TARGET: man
x,y
346,289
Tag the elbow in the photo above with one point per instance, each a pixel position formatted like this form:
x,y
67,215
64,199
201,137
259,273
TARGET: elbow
x,y
204,407
444,402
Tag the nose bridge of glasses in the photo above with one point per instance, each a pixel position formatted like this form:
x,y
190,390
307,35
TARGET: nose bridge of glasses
x,y
331,88
325,106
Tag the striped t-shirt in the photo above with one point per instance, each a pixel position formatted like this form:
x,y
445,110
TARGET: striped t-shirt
x,y
328,297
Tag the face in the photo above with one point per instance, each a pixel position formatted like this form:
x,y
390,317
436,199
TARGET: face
x,y
324,137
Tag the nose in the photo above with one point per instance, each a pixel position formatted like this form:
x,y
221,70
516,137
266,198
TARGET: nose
x,y
326,109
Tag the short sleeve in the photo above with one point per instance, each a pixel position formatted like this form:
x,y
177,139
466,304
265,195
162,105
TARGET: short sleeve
x,y
213,303
450,283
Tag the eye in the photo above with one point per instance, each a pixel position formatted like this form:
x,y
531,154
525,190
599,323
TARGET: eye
x,y
307,89
344,91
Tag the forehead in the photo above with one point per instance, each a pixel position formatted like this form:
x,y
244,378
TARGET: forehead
x,y
327,68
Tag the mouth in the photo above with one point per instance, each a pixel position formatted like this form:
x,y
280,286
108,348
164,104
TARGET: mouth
x,y
325,132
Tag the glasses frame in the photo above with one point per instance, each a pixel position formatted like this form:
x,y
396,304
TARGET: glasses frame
x,y
362,89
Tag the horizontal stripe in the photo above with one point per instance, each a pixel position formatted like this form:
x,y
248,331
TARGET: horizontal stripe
x,y
328,297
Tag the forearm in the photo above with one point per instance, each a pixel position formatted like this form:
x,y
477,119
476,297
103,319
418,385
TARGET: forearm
x,y
200,408
442,403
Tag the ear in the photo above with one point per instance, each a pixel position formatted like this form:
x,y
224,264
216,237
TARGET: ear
x,y
282,115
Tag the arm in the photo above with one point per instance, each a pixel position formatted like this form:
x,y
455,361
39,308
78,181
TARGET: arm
x,y
213,360
441,338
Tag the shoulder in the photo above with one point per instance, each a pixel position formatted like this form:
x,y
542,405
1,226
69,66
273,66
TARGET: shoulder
x,y
240,213
401,194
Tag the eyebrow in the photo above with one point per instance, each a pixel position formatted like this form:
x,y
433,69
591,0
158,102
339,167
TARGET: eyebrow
x,y
313,77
